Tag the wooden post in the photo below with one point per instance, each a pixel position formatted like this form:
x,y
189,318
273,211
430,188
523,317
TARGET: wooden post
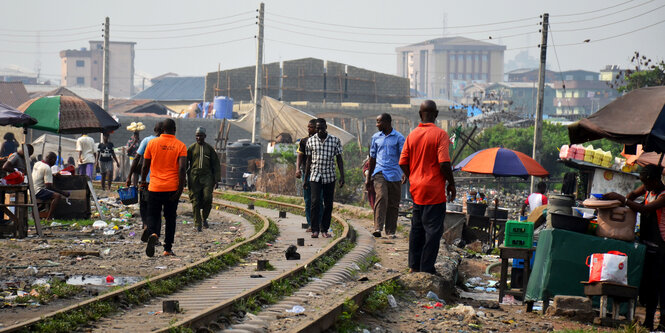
x,y
31,186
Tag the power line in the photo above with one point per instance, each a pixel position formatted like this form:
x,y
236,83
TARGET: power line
x,y
615,22
63,29
594,11
39,35
386,28
186,22
606,15
190,35
613,36
195,46
49,42
329,49
182,29
556,55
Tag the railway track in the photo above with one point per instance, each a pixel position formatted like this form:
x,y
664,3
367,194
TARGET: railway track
x,y
216,292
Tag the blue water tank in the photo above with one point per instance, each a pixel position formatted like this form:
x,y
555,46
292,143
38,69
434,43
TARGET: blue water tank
x,y
223,107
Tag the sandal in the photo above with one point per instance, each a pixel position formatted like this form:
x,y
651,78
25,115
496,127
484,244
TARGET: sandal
x,y
315,234
325,235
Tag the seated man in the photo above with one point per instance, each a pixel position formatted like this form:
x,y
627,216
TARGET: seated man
x,y
43,181
17,160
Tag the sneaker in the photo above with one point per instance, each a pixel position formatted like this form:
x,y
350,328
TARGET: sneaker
x,y
325,235
392,236
145,235
199,229
150,248
315,234
205,224
376,233
168,253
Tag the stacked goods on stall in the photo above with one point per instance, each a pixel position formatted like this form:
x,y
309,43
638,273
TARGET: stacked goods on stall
x,y
518,234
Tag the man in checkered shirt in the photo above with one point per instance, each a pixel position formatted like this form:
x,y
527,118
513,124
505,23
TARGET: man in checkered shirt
x,y
322,149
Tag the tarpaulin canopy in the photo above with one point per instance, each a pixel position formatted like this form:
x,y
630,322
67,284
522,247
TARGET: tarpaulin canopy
x,y
49,143
634,118
13,117
278,117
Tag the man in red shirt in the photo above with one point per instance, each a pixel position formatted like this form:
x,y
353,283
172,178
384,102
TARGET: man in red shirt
x,y
426,163
166,159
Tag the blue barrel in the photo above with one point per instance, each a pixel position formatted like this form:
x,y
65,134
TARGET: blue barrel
x,y
223,107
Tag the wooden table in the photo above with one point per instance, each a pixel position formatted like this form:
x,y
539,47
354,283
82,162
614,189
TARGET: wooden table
x,y
519,253
617,292
18,220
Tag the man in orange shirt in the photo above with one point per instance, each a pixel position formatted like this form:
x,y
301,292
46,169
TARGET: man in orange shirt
x,y
166,159
426,163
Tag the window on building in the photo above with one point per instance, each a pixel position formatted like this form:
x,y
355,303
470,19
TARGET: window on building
x,y
80,63
468,76
576,93
94,79
569,94
94,62
80,81
484,57
568,77
589,77
559,94
468,58
483,76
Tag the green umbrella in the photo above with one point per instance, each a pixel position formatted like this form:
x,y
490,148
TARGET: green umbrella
x,y
68,115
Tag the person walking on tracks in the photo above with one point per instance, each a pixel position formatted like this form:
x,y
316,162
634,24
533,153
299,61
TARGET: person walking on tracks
x,y
301,163
166,159
135,171
385,175
203,175
105,159
322,149
426,163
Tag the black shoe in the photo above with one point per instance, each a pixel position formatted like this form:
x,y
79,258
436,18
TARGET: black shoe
x,y
205,224
199,229
145,235
150,248
376,233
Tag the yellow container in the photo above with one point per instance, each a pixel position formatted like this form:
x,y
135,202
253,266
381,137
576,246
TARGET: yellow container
x,y
607,156
589,154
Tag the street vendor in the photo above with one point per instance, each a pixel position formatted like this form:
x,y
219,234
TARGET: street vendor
x,y
652,234
17,160
43,181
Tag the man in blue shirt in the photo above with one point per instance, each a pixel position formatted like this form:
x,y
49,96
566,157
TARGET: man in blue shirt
x,y
135,168
385,175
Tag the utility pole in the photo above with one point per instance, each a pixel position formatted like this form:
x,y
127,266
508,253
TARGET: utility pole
x,y
256,127
105,66
537,131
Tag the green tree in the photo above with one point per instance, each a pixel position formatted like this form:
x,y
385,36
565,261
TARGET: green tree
x,y
646,73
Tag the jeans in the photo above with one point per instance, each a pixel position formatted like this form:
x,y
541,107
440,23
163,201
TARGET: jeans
x,y
321,219
425,236
386,204
156,202
307,195
143,206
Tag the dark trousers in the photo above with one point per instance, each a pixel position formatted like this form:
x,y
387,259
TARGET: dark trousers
x,y
386,205
652,288
158,201
425,236
143,206
327,191
307,195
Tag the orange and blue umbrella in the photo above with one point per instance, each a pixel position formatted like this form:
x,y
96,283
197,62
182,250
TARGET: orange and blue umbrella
x,y
502,162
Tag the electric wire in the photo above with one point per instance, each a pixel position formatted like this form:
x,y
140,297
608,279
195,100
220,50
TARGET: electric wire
x,y
613,36
193,46
556,56
62,29
187,22
605,15
595,10
182,29
50,42
40,35
386,28
189,35
615,22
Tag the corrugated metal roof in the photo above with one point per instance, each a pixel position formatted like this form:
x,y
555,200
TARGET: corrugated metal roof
x,y
175,89
13,93
39,90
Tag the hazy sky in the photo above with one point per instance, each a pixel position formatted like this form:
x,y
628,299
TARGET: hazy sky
x,y
193,37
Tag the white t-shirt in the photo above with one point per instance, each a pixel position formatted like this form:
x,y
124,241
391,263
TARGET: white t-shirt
x,y
536,200
86,145
41,174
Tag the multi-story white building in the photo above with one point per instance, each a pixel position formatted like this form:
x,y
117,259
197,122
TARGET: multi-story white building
x,y
85,67
442,67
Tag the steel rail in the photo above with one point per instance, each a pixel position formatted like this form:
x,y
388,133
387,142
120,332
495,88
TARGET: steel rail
x,y
144,283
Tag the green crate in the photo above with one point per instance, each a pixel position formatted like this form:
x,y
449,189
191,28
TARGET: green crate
x,y
514,228
521,241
